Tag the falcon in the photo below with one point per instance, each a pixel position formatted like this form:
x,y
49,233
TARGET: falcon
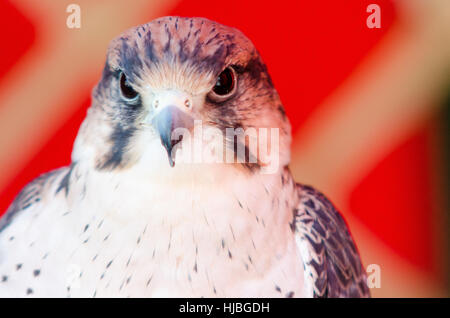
x,y
130,218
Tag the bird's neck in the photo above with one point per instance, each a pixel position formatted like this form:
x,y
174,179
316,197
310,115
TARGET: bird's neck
x,y
191,197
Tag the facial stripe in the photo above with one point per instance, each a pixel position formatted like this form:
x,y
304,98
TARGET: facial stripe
x,y
120,140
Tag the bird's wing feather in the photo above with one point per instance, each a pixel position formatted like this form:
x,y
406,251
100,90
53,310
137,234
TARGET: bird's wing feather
x,y
331,260
30,233
30,195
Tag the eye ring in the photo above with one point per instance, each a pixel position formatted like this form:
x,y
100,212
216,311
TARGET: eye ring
x,y
126,89
225,85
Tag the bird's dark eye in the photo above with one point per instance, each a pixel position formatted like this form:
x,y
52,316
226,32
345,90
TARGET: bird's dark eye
x,y
225,85
225,82
125,88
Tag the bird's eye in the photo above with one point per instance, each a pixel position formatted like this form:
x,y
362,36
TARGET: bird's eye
x,y
125,88
225,85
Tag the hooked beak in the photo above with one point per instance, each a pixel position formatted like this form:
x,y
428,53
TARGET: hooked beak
x,y
168,123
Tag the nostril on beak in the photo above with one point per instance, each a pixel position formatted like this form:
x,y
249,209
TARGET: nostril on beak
x,y
173,142
155,103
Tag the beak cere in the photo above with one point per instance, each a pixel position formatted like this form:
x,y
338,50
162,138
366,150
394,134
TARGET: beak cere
x,y
166,122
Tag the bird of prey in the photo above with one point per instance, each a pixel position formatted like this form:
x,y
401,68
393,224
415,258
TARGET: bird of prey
x,y
128,217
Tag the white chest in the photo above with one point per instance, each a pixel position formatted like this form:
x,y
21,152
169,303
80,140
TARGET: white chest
x,y
164,239
203,239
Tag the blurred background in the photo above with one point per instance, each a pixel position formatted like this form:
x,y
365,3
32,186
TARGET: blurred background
x,y
370,108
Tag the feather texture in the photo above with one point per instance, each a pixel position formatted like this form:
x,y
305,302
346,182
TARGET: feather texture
x,y
332,263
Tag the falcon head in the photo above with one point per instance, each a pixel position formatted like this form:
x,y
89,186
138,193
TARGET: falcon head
x,y
175,73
